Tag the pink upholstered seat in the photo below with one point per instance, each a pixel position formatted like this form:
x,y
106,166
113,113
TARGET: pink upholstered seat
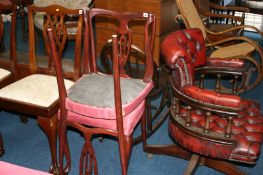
x,y
99,109
11,169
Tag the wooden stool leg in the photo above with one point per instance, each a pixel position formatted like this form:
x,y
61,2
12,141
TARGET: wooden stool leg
x,y
49,125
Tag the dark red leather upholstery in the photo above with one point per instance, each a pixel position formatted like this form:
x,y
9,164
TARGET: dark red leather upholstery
x,y
223,62
191,45
212,97
247,136
205,122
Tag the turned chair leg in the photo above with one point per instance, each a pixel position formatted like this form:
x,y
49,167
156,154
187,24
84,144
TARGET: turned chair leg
x,y
125,148
64,151
50,126
88,162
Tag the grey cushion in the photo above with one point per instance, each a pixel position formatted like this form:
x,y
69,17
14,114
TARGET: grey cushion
x,y
98,90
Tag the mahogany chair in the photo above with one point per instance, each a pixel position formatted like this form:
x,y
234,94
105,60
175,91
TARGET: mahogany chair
x,y
103,104
36,94
209,128
7,73
239,47
135,68
70,31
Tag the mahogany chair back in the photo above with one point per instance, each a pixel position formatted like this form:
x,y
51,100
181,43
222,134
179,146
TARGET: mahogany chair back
x,y
68,23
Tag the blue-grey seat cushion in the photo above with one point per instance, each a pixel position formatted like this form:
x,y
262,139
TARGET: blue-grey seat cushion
x,y
98,90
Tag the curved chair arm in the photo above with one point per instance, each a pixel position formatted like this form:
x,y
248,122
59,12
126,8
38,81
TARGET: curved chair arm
x,y
208,100
235,28
211,97
258,63
240,38
172,52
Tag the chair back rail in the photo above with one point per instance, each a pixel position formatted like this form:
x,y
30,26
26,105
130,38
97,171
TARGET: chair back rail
x,y
60,19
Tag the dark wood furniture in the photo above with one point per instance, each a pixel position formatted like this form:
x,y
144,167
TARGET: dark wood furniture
x,y
7,72
165,11
41,60
22,4
102,103
37,94
209,128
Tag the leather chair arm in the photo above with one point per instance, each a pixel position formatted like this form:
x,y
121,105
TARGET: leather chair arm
x,y
212,97
171,52
225,62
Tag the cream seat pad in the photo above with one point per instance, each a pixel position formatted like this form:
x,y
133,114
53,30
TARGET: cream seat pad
x,y
36,89
4,73
233,50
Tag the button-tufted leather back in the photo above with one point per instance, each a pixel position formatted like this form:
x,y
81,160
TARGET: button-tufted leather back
x,y
187,50
192,45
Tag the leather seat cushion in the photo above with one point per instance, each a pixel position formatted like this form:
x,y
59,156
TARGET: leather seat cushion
x,y
246,136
